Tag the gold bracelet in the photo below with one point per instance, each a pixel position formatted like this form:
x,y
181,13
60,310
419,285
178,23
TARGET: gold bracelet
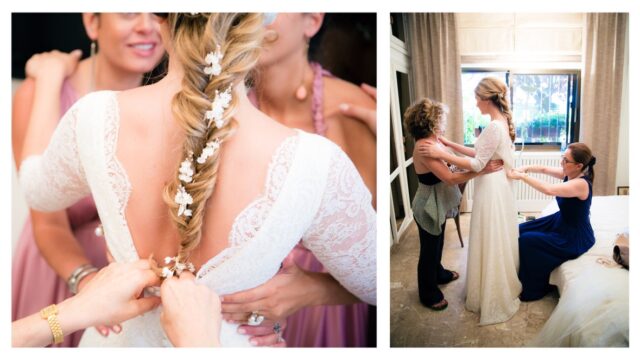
x,y
50,314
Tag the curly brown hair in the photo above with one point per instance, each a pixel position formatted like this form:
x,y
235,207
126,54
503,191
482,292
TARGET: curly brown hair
x,y
424,118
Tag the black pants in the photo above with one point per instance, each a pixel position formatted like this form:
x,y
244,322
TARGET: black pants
x,y
430,270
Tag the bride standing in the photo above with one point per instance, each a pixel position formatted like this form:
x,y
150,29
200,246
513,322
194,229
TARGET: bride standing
x,y
492,265
188,170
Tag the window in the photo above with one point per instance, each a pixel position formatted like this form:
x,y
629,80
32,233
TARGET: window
x,y
397,26
544,106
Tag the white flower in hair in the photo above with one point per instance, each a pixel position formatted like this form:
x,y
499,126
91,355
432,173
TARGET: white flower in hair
x,y
186,170
183,199
210,149
218,105
166,272
213,60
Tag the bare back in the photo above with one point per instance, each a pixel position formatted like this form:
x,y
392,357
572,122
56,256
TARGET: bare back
x,y
149,150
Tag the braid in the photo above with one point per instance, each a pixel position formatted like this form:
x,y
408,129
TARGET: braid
x,y
493,89
238,37
503,104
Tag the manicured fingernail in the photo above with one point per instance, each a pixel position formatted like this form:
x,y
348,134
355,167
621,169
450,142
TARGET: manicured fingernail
x,y
254,342
221,298
242,330
344,107
117,329
104,332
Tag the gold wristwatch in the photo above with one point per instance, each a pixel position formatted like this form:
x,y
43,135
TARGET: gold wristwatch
x,y
50,314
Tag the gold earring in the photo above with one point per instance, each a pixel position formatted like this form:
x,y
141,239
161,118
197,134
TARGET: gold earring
x,y
301,91
92,83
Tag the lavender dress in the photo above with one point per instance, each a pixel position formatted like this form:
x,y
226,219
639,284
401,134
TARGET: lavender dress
x,y
326,325
34,283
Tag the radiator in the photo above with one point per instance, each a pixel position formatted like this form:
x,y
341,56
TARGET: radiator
x,y
528,199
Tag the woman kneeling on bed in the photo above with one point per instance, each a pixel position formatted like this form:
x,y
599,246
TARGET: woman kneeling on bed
x,y
548,242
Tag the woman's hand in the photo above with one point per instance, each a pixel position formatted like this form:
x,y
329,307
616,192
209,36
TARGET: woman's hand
x,y
278,298
515,174
102,329
522,169
492,166
431,150
114,294
53,63
367,116
190,312
444,140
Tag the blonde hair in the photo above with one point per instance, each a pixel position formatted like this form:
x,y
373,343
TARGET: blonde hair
x,y
192,38
493,89
424,118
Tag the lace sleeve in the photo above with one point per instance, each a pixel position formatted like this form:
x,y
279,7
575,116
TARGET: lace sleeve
x,y
486,146
55,180
343,233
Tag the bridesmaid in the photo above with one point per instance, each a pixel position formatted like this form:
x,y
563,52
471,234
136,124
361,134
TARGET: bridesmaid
x,y
56,247
548,242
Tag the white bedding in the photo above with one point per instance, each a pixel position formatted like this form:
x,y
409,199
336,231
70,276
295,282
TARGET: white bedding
x,y
594,305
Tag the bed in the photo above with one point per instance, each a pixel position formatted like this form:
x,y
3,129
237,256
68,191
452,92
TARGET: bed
x,y
593,310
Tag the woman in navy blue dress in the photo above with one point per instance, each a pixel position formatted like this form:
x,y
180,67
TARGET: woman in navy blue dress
x,y
548,242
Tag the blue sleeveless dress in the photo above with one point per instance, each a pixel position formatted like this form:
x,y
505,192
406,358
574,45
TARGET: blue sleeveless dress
x,y
548,242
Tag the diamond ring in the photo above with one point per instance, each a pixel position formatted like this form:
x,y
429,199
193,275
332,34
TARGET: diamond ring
x,y
255,319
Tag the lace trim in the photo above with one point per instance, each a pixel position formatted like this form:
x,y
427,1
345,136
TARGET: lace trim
x,y
248,222
116,175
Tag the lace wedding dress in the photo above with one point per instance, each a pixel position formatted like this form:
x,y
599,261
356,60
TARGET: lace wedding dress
x,y
312,192
492,265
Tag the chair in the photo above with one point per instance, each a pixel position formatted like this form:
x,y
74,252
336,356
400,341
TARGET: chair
x,y
456,218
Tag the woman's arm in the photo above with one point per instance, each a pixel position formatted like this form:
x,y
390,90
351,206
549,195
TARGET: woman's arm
x,y
287,292
443,173
112,297
555,172
573,188
52,231
343,233
49,71
461,149
428,149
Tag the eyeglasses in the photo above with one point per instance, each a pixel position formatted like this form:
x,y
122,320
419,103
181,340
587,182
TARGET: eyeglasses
x,y
564,160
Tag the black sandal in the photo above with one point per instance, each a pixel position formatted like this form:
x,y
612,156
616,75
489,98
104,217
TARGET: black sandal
x,y
439,306
454,276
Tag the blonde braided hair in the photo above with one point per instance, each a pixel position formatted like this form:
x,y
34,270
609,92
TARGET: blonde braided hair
x,y
493,89
239,37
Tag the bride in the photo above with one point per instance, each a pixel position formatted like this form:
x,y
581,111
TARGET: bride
x,y
189,172
492,265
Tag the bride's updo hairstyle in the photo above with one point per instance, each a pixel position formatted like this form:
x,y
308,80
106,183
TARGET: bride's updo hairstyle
x,y
192,37
493,89
424,118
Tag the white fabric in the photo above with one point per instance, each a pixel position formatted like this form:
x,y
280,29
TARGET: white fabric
x,y
594,305
312,191
492,265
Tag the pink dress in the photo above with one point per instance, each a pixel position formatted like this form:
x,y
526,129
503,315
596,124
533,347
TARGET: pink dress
x,y
323,326
34,283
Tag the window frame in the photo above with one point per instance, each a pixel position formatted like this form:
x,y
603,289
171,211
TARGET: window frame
x,y
573,121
